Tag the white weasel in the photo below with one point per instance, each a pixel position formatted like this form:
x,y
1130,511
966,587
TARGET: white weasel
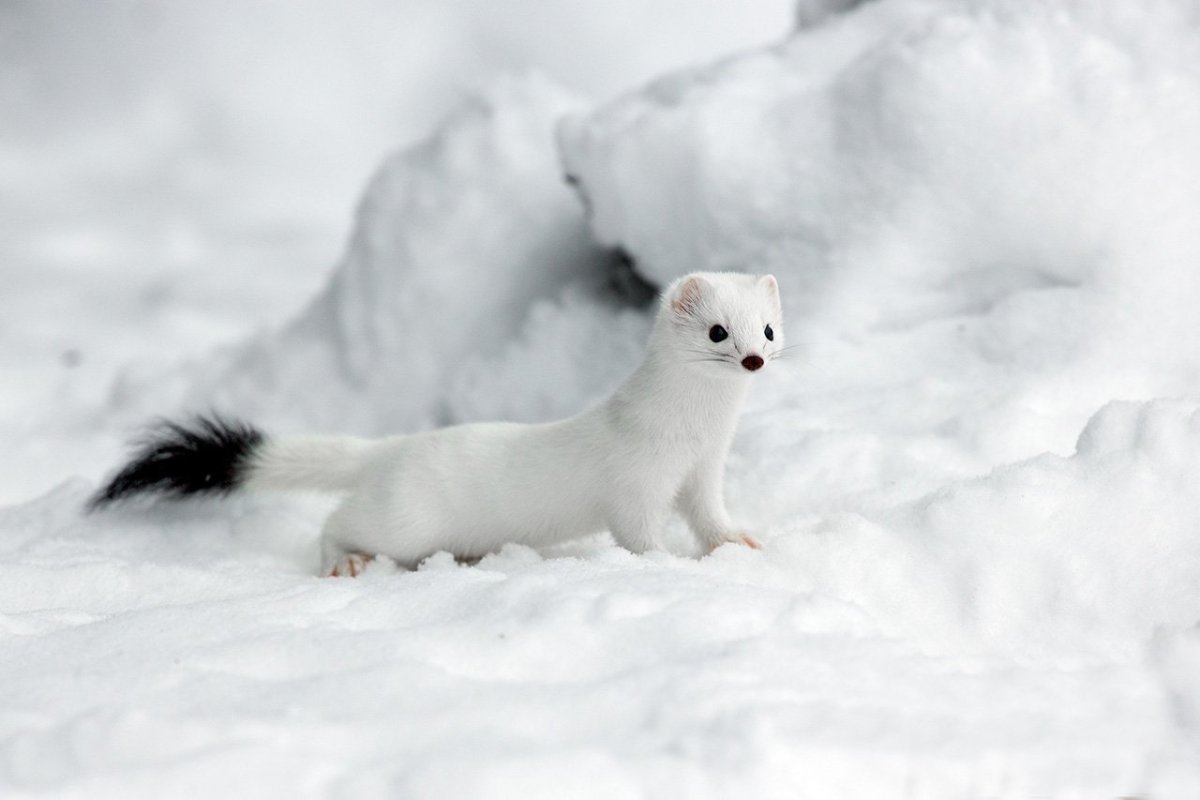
x,y
657,444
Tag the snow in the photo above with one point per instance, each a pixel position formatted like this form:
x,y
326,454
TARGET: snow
x,y
489,228
977,483
870,162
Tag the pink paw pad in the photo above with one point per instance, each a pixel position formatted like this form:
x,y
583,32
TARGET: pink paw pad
x,y
350,566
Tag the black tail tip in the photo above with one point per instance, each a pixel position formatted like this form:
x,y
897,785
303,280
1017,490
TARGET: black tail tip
x,y
207,454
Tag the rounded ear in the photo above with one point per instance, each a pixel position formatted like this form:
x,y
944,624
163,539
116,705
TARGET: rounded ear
x,y
688,295
769,283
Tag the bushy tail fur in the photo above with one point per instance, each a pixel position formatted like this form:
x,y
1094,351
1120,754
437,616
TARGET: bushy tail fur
x,y
216,455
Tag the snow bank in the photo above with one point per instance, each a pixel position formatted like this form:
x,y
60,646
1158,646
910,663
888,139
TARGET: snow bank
x,y
455,239
1094,551
997,198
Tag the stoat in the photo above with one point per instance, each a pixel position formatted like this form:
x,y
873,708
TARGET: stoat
x,y
656,445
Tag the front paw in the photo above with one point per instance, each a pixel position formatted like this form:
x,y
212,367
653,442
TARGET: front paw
x,y
736,538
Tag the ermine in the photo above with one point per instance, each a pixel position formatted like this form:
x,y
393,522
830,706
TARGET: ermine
x,y
658,444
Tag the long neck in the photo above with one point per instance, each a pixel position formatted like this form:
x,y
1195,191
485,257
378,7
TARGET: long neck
x,y
669,394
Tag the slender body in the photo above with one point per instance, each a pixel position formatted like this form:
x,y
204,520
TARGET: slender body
x,y
657,445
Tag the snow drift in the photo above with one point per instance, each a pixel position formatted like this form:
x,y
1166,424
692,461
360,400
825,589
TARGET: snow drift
x,y
997,201
454,240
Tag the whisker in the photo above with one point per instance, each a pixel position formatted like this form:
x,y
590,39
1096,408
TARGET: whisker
x,y
791,357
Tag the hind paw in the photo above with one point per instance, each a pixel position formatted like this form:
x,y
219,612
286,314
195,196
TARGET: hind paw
x,y
350,565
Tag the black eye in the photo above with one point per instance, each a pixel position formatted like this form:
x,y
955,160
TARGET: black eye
x,y
770,334
717,333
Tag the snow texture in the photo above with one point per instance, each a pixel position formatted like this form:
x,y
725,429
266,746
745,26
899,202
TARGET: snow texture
x,y
488,228
978,485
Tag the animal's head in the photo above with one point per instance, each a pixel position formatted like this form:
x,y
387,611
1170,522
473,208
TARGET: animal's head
x,y
724,323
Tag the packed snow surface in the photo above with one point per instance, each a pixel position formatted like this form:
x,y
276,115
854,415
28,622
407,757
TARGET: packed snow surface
x,y
977,480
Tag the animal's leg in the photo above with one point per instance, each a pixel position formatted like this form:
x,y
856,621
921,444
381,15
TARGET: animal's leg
x,y
638,527
338,561
701,501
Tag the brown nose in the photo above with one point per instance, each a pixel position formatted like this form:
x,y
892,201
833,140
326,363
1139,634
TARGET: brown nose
x,y
752,362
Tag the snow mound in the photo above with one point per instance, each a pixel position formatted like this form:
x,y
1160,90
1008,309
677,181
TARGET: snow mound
x,y
998,196
1094,551
454,240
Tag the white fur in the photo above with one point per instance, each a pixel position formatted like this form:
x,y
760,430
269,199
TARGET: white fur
x,y
657,444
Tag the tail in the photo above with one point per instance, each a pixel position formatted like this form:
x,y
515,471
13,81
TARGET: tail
x,y
213,455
